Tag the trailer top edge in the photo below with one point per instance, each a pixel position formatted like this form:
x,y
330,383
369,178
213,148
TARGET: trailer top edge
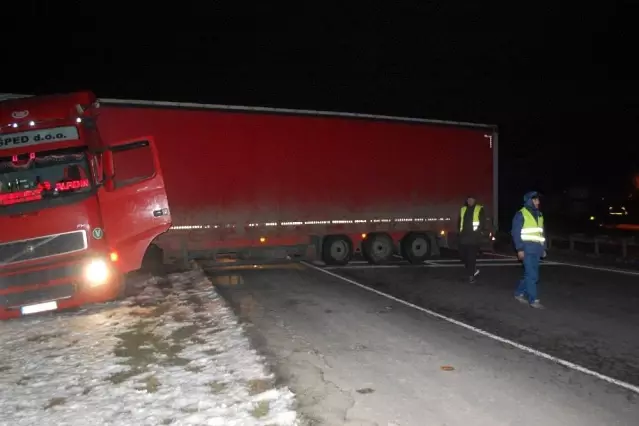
x,y
268,110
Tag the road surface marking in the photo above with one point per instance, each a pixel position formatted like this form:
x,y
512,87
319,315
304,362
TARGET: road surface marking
x,y
425,265
519,346
483,265
443,263
576,265
479,259
370,266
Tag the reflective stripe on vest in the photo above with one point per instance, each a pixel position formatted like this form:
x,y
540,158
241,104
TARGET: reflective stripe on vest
x,y
533,230
478,208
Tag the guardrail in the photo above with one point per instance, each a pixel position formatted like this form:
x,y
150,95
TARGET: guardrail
x,y
597,245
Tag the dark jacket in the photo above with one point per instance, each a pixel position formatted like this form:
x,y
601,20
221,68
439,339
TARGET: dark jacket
x,y
518,223
469,236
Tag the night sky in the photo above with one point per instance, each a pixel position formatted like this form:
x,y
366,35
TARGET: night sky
x,y
560,82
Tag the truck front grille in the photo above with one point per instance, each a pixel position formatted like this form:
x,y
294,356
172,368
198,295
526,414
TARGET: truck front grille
x,y
41,247
46,294
42,276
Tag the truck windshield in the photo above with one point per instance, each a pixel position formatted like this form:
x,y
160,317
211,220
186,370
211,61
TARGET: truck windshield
x,y
43,177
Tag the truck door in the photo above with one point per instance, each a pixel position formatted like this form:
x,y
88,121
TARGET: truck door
x,y
133,200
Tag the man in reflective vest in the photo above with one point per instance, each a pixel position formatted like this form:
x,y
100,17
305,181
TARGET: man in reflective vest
x,y
530,242
471,227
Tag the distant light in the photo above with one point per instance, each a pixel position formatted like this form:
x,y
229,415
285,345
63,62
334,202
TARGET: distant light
x,y
114,256
592,218
363,236
14,125
78,120
31,123
262,239
442,233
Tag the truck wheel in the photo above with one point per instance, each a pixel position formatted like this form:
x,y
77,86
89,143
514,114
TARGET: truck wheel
x,y
153,261
378,248
122,287
416,248
337,250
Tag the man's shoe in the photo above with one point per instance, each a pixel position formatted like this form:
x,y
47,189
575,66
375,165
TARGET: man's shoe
x,y
537,305
476,272
521,298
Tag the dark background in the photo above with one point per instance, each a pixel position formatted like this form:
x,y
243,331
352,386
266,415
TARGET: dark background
x,y
559,81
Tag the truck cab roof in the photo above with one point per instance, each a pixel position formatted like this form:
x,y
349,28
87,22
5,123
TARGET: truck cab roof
x,y
22,112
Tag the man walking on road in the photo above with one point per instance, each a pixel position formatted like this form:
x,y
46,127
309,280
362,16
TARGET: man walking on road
x,y
471,226
530,243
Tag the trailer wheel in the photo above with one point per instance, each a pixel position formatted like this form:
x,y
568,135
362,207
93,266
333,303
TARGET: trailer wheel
x,y
378,248
337,250
416,247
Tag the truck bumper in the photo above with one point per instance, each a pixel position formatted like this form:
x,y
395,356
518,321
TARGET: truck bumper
x,y
56,288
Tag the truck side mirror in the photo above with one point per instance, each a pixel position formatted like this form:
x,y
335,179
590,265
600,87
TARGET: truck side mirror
x,y
109,170
109,184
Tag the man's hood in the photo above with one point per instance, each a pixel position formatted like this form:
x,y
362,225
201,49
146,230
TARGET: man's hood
x,y
528,199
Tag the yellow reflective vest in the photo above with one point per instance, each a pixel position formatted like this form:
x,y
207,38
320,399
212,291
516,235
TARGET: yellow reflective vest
x,y
476,223
533,230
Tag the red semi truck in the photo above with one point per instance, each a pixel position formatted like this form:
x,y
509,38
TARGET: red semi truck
x,y
242,182
76,212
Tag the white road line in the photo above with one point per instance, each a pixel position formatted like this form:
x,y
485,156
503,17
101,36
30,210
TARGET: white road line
x,y
425,265
519,346
369,267
438,263
483,265
577,265
599,268
503,255
479,260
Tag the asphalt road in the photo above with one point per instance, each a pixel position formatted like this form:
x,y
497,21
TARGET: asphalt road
x,y
355,357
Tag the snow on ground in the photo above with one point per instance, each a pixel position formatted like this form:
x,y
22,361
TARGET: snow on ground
x,y
174,354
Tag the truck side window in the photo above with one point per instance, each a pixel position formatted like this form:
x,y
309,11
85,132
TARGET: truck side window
x,y
132,163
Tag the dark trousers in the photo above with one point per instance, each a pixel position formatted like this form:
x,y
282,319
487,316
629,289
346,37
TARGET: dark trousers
x,y
528,283
468,254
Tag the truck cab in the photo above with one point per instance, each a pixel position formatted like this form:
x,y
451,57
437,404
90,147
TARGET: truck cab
x,y
76,215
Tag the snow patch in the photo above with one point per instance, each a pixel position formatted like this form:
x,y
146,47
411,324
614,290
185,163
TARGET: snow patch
x,y
173,354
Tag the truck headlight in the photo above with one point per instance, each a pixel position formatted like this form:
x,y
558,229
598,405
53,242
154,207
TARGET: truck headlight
x,y
96,272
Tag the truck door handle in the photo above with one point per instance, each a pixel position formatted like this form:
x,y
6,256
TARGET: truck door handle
x,y
160,212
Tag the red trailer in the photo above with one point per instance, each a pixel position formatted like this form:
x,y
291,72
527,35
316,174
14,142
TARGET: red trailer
x,y
91,189
245,181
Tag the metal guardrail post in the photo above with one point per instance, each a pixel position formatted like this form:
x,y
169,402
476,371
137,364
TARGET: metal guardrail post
x,y
185,250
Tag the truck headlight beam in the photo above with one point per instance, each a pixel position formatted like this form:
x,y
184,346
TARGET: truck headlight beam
x,y
96,272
